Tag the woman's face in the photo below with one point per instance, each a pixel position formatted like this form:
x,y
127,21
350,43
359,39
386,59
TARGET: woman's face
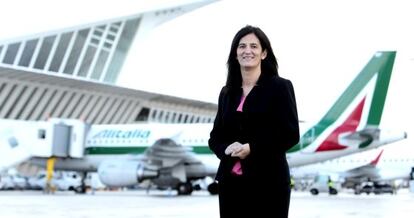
x,y
249,51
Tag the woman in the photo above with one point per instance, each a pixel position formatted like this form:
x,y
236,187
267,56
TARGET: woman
x,y
255,125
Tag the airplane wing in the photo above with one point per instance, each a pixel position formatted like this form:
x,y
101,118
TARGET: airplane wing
x,y
166,153
165,164
362,173
172,158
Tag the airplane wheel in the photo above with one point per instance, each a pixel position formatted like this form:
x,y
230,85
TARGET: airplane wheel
x,y
213,188
80,190
185,188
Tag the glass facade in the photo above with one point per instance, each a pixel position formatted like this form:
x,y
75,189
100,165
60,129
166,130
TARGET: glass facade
x,y
94,53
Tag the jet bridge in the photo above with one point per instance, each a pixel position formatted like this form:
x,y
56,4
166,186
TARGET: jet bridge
x,y
21,140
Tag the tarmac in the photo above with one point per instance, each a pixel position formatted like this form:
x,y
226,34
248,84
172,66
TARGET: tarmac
x,y
126,204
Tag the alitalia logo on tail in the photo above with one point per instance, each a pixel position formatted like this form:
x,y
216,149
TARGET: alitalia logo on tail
x,y
357,112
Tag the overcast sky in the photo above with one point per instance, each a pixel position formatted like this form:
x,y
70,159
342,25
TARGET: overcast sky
x,y
321,45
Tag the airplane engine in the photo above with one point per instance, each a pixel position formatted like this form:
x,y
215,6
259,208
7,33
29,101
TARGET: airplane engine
x,y
124,173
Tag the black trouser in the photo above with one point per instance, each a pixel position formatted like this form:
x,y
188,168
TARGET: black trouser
x,y
239,197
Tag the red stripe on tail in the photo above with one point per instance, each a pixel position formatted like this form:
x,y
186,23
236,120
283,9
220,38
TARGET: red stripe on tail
x,y
350,124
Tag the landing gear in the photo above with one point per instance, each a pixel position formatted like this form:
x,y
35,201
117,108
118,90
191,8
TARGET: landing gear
x,y
213,188
82,188
184,188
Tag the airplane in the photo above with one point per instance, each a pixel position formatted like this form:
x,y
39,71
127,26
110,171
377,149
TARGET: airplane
x,y
384,169
174,156
359,171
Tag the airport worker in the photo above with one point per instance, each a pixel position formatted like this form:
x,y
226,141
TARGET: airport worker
x,y
292,183
256,123
331,186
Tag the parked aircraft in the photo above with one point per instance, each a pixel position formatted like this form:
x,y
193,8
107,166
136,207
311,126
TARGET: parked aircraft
x,y
176,155
363,169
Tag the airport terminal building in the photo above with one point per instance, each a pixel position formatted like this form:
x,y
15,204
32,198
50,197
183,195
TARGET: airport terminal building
x,y
71,73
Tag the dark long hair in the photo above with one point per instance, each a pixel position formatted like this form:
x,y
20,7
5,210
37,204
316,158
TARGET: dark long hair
x,y
269,66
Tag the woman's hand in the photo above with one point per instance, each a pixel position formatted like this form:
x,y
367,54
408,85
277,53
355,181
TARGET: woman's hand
x,y
237,149
232,147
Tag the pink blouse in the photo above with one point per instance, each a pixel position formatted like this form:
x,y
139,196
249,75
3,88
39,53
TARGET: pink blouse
x,y
237,170
240,107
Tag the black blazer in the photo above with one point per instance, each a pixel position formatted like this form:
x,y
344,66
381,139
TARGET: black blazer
x,y
269,123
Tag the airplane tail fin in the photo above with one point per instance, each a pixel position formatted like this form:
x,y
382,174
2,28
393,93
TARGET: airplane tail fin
x,y
357,112
369,88
376,160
